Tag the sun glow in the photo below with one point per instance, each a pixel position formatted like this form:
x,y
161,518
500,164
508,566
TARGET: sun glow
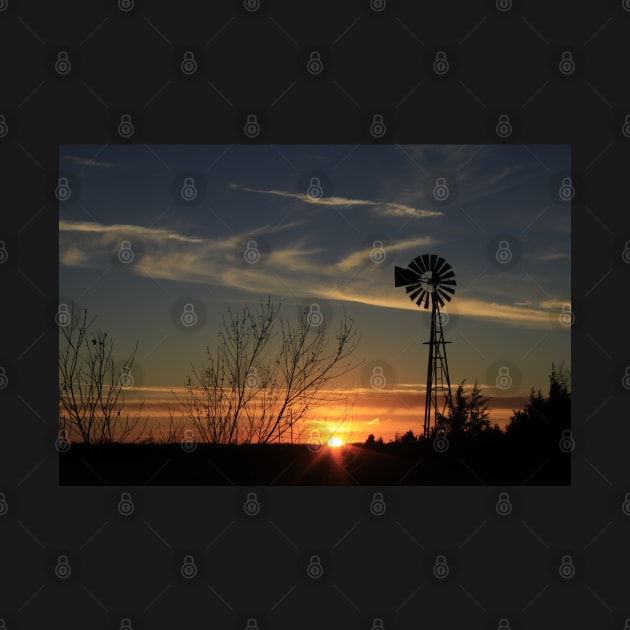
x,y
335,441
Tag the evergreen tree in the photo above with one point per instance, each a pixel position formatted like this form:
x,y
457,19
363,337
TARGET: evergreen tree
x,y
469,415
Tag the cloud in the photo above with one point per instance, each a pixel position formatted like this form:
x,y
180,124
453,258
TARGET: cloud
x,y
126,230
73,257
402,210
87,162
295,270
548,256
475,179
359,259
386,208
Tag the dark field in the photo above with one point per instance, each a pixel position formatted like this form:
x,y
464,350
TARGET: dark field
x,y
469,462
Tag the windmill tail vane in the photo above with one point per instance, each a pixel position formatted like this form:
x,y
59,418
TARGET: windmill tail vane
x,y
430,280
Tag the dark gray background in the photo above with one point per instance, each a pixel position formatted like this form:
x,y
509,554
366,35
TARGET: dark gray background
x,y
374,62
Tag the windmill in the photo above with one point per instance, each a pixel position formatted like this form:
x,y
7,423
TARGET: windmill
x,y
429,279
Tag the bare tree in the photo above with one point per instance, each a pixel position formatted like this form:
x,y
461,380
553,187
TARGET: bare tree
x,y
91,389
249,390
170,434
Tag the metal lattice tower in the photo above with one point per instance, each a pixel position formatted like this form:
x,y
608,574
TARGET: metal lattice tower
x,y
430,279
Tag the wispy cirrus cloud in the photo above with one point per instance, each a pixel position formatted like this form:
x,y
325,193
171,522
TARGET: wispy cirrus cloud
x,y
459,165
357,259
126,229
88,162
386,208
295,269
552,255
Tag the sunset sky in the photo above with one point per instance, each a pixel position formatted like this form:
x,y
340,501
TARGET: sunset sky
x,y
318,215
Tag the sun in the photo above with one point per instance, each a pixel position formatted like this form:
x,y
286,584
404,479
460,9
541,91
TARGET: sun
x,y
335,441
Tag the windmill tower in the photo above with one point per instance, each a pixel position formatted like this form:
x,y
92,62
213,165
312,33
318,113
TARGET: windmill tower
x,y
429,279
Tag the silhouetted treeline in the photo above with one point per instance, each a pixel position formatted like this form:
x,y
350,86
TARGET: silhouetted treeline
x,y
534,447
465,449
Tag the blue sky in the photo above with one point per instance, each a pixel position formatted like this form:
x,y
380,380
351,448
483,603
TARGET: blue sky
x,y
316,249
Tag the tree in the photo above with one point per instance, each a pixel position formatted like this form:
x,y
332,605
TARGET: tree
x,y
469,414
406,439
91,389
372,442
247,390
545,417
